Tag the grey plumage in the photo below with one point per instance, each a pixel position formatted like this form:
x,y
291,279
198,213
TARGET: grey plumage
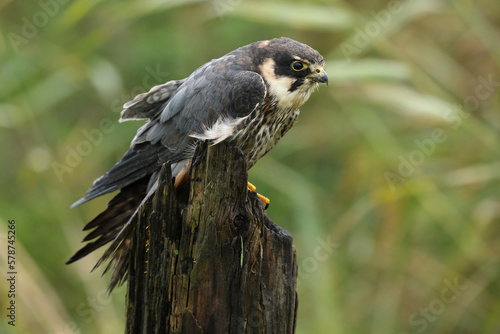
x,y
147,105
250,96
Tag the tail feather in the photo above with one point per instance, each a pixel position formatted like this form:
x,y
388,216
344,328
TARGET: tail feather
x,y
117,247
90,247
122,238
120,263
113,225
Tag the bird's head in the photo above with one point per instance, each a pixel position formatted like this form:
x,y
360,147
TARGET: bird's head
x,y
292,70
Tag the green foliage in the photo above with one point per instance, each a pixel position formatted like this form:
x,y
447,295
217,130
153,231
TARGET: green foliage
x,y
389,182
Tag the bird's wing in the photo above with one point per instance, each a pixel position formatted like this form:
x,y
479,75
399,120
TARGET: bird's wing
x,y
212,102
148,105
218,92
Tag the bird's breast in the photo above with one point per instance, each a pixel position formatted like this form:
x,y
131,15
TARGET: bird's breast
x,y
264,130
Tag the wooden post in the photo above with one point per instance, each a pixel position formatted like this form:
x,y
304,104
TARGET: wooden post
x,y
216,264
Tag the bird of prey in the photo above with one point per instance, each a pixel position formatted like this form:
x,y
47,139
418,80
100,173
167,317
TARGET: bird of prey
x,y
250,97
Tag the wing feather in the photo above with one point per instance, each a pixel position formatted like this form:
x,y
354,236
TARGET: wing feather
x,y
148,105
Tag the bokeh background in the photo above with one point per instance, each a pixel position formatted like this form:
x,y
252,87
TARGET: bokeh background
x,y
389,183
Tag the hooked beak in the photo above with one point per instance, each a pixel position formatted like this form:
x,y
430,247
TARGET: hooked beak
x,y
320,76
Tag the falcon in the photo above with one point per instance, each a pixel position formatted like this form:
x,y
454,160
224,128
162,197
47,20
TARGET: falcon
x,y
250,97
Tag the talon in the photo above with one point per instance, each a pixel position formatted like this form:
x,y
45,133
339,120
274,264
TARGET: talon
x,y
264,199
251,187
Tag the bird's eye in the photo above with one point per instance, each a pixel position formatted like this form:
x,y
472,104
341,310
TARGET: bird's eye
x,y
298,66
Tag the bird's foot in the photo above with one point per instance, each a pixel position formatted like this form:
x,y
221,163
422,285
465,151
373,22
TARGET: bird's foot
x,y
264,199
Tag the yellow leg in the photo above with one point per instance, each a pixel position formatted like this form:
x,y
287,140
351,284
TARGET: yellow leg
x,y
264,199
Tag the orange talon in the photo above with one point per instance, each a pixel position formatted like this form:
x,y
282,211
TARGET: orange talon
x,y
251,187
264,199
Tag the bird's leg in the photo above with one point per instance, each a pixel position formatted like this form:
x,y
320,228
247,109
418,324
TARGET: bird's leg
x,y
182,183
264,199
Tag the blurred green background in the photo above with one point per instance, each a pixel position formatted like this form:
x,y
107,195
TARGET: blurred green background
x,y
389,183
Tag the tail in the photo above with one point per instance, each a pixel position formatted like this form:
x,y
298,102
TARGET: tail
x,y
113,225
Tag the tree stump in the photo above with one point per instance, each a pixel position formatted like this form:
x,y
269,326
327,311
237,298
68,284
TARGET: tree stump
x,y
216,264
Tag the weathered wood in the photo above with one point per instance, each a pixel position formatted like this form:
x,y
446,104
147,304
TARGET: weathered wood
x,y
215,264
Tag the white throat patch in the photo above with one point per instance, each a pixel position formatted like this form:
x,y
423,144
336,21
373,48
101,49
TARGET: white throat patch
x,y
279,87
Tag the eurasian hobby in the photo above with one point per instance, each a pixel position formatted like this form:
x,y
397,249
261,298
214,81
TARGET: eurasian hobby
x,y
250,97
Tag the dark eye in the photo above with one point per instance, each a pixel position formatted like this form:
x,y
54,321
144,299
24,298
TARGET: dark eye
x,y
298,66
